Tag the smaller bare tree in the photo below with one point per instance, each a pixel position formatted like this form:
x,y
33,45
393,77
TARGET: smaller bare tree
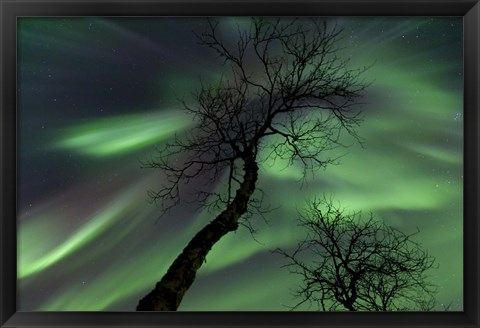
x,y
355,264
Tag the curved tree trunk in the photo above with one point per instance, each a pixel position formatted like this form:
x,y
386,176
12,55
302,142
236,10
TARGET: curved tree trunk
x,y
169,292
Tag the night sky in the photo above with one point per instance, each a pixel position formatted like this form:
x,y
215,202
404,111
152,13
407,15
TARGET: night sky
x,y
97,95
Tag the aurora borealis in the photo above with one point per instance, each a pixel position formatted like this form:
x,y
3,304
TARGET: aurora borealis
x,y
96,95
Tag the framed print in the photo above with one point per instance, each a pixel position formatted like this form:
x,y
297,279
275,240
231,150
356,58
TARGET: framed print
x,y
225,163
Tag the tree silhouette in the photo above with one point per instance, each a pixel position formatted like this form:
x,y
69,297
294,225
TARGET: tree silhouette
x,y
285,91
355,264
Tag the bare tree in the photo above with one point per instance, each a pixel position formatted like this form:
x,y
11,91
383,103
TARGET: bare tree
x,y
287,92
355,264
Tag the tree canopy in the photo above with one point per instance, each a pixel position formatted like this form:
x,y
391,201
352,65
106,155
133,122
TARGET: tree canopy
x,y
285,90
347,262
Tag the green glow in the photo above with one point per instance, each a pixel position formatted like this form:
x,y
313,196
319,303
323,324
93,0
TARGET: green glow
x,y
121,134
85,234
236,248
107,289
264,287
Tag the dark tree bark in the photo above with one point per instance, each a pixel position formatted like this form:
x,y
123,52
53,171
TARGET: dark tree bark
x,y
169,292
286,81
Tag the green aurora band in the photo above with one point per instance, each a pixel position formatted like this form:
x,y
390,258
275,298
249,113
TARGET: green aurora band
x,y
115,135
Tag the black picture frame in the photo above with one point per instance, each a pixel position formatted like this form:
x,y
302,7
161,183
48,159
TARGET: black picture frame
x,y
11,9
